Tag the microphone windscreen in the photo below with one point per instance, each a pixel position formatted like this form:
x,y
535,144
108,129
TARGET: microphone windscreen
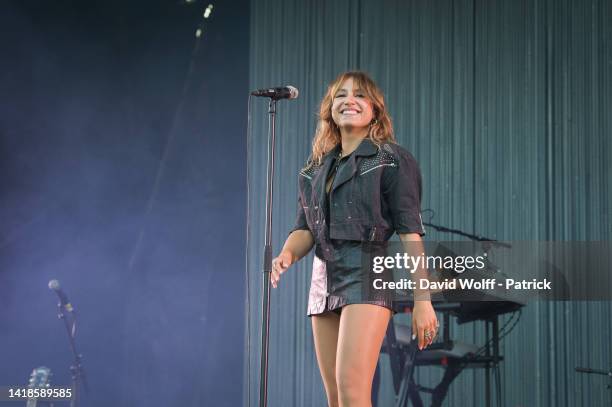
x,y
294,92
54,285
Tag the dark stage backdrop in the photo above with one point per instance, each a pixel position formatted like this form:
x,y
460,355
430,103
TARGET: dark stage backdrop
x,y
130,191
506,105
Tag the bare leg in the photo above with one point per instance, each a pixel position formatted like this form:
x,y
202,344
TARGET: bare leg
x,y
325,332
362,330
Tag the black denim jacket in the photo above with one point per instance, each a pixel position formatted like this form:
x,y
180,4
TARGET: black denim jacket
x,y
375,193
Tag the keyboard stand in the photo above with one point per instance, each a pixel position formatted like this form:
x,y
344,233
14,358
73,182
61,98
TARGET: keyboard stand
x,y
453,356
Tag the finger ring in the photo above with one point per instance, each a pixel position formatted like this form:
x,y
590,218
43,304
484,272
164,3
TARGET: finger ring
x,y
427,335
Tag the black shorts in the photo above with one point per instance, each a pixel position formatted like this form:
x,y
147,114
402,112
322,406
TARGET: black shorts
x,y
343,279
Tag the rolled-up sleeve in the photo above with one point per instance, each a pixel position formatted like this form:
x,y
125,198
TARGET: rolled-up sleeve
x,y
300,219
401,185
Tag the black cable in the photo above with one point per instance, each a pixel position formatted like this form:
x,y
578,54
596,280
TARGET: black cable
x,y
520,313
500,331
498,388
501,335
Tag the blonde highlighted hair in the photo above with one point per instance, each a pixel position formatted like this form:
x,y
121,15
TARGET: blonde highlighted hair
x,y
327,135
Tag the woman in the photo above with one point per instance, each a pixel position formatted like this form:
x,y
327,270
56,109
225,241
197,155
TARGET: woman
x,y
358,185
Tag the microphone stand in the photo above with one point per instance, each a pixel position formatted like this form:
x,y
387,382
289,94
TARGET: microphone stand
x,y
600,372
267,266
78,374
487,243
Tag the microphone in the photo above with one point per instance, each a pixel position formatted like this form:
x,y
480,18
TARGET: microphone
x,y
286,92
64,302
596,371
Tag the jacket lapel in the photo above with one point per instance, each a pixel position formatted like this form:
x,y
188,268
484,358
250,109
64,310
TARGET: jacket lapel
x,y
347,171
318,183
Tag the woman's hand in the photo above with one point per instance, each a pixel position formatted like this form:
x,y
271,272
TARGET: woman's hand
x,y
279,265
424,320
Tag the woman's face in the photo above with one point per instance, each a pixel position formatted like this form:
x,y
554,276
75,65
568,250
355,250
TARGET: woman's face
x,y
351,109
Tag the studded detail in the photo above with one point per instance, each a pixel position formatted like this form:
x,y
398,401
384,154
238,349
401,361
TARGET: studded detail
x,y
384,157
310,171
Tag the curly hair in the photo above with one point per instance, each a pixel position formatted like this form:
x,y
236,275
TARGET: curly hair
x,y
327,134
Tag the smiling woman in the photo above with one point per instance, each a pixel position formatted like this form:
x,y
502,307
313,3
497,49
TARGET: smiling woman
x,y
351,109
358,185
355,90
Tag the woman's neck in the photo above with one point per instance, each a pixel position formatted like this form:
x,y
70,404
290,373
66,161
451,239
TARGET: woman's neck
x,y
351,140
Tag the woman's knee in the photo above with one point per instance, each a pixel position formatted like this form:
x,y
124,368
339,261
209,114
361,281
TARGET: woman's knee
x,y
352,388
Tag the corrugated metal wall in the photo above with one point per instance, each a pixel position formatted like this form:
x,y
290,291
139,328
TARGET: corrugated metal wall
x,y
507,105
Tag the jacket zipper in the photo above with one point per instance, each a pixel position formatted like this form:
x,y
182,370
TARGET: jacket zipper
x,y
378,166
